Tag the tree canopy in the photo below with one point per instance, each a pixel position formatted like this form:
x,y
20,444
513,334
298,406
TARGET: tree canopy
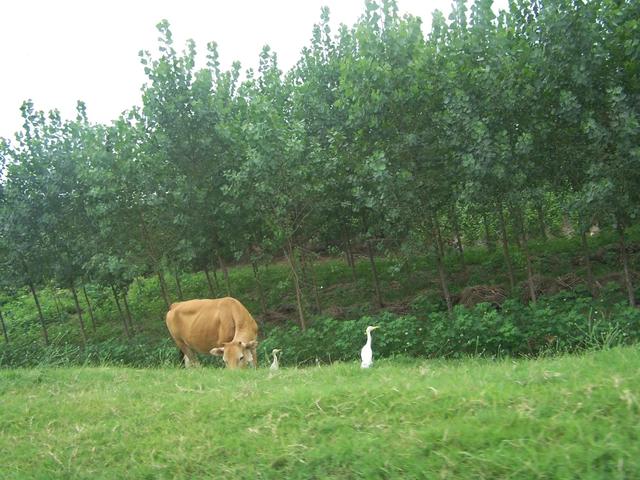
x,y
380,137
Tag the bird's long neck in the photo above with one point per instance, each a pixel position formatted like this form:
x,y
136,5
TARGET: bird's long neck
x,y
368,344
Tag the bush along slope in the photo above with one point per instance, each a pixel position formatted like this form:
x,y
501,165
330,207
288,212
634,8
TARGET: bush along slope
x,y
558,324
415,321
565,322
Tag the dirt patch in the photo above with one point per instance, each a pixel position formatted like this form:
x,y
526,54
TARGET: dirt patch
x,y
616,277
603,255
334,311
493,294
276,317
541,285
345,286
606,253
549,285
570,281
282,314
399,308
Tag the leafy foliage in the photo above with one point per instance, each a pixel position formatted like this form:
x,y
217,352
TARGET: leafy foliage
x,y
562,323
517,126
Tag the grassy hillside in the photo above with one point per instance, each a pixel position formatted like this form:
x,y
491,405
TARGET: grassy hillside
x,y
410,288
563,417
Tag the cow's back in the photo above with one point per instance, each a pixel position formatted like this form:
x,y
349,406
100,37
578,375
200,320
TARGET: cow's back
x,y
205,324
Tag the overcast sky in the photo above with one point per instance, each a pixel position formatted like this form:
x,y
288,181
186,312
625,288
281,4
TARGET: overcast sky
x,y
56,52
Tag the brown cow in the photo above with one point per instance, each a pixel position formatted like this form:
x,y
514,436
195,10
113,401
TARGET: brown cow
x,y
220,327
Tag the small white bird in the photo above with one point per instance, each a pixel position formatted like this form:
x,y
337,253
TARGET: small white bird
x,y
367,353
274,364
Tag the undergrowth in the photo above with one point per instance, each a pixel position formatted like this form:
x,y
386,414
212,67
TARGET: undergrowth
x,y
414,320
563,323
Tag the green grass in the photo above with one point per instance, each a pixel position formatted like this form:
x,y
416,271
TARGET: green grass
x,y
564,417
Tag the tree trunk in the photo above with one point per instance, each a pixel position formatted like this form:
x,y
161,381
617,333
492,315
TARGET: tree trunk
x,y
93,318
587,260
351,261
487,236
215,277
163,289
40,315
225,273
567,228
310,278
505,249
440,265
154,256
263,302
532,288
625,265
122,317
525,247
346,257
314,284
374,271
456,233
516,238
126,309
439,244
541,222
4,328
206,274
296,283
178,285
79,312
56,300
303,268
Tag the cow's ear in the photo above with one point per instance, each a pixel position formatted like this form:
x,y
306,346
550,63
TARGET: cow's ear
x,y
251,344
217,351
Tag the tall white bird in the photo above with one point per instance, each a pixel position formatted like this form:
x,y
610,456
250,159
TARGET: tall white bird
x,y
275,365
367,352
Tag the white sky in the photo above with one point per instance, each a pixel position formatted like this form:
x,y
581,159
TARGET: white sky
x,y
59,51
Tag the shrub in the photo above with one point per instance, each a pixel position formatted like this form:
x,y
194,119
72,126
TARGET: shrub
x,y
563,323
560,323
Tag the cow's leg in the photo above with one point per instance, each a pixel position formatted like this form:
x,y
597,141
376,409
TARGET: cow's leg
x,y
187,362
190,359
254,353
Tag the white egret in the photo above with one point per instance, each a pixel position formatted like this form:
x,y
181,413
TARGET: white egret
x,y
275,365
367,352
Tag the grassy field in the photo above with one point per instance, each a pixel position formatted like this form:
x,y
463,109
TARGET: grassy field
x,y
564,417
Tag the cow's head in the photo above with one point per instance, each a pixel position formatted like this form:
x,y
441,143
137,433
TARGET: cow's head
x,y
236,354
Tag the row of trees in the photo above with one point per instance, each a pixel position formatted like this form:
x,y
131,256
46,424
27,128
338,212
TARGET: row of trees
x,y
378,133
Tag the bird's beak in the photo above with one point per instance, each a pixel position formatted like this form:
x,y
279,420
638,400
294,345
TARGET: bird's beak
x,y
372,328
